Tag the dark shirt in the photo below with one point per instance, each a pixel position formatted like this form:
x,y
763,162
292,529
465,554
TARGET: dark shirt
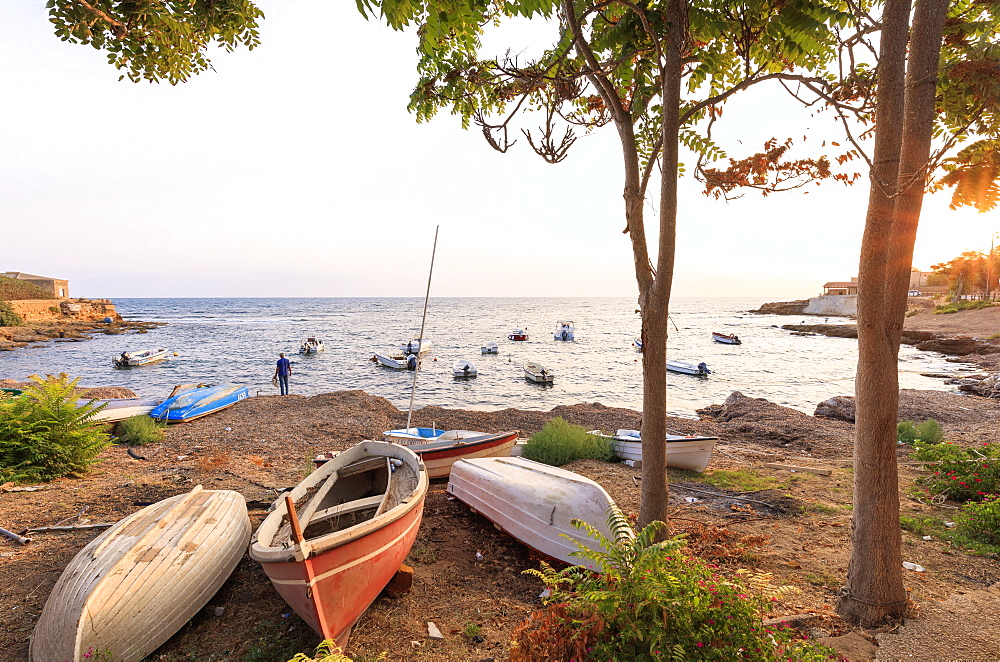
x,y
284,367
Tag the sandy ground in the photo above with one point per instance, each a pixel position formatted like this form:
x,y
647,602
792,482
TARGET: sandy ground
x,y
797,526
976,323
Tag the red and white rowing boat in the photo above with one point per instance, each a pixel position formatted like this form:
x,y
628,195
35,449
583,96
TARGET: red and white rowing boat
x,y
518,334
332,544
727,338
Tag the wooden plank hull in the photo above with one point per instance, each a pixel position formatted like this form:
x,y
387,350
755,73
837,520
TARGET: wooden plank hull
x,y
135,585
533,502
331,576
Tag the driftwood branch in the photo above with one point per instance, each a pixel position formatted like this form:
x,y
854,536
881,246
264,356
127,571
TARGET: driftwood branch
x,y
74,527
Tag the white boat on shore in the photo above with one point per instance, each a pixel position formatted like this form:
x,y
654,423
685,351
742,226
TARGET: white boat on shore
x,y
126,359
463,368
490,348
689,453
537,373
533,502
688,368
564,331
132,587
118,409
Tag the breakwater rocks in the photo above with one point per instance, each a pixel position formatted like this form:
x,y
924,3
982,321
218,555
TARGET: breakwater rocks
x,y
32,334
783,308
985,385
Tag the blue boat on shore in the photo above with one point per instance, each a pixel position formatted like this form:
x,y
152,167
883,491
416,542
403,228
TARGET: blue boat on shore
x,y
198,401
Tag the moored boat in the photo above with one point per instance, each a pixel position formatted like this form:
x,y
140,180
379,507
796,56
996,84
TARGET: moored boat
x,y
533,502
727,338
564,330
311,346
637,343
198,401
132,587
683,452
688,368
408,362
463,368
538,373
518,334
126,359
350,525
414,346
490,348
118,409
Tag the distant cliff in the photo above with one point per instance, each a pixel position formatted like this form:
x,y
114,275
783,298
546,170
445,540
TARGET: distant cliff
x,y
783,308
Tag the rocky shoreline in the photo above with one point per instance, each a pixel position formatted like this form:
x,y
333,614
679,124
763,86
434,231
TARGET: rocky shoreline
x,y
33,333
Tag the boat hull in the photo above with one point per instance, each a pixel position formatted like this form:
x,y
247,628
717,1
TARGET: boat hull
x,y
726,339
683,368
533,502
440,456
538,373
689,453
330,578
390,362
197,402
136,584
118,409
140,358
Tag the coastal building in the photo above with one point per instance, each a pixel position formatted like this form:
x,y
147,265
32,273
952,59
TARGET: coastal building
x,y
56,286
840,288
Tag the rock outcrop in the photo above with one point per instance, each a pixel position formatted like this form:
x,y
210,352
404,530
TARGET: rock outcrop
x,y
840,408
783,308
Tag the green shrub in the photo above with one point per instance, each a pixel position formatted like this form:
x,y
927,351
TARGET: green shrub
x,y
653,601
140,430
45,434
956,306
327,651
7,315
560,442
961,473
929,432
979,525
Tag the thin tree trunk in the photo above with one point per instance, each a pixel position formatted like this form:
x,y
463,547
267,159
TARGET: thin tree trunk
x,y
656,303
874,587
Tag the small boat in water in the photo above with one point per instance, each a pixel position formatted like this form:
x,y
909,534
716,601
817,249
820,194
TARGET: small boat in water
x,y
690,453
564,331
463,368
118,409
537,373
413,346
688,368
518,334
198,401
132,587
533,502
408,362
637,343
311,346
727,338
336,540
126,359
490,348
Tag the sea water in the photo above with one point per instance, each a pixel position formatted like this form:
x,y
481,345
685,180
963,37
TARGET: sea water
x,y
238,340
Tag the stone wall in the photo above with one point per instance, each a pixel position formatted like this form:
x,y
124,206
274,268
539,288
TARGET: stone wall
x,y
41,310
838,304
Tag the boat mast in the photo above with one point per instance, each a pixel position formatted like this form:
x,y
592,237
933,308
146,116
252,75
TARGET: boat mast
x,y
423,321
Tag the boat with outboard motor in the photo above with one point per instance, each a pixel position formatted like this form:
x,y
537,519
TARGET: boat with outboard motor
x,y
311,346
564,331
490,348
518,334
126,359
397,362
463,368
537,373
688,368
726,338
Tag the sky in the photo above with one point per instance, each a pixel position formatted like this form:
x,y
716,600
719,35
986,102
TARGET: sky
x,y
295,169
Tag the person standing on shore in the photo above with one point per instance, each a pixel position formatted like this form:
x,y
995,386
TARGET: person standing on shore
x,y
282,371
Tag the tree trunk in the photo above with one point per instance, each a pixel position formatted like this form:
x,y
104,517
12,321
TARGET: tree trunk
x,y
656,301
874,587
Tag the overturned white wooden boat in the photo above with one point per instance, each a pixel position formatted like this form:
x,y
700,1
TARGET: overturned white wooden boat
x,y
118,409
537,373
690,453
340,535
534,502
136,584
463,368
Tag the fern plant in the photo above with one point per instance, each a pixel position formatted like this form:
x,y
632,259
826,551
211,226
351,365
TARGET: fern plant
x,y
47,434
652,601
